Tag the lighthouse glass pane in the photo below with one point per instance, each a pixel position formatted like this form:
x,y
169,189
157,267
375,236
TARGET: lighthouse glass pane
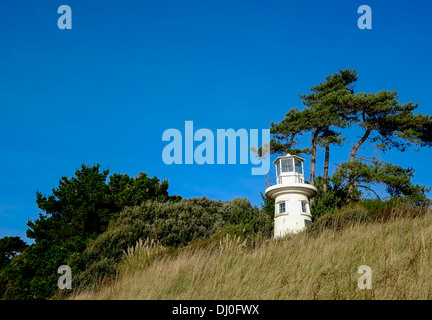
x,y
282,207
287,165
298,166
278,168
304,206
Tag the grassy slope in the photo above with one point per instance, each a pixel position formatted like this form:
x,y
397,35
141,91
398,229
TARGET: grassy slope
x,y
399,252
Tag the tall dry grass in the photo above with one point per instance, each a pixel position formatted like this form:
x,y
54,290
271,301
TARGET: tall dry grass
x,y
304,266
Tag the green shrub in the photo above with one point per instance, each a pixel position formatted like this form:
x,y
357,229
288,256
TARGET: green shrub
x,y
327,202
172,224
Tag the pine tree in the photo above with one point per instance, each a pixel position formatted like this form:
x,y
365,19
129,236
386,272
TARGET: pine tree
x,y
325,109
386,123
323,112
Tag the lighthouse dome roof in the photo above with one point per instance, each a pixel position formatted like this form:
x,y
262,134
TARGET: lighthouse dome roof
x,y
289,156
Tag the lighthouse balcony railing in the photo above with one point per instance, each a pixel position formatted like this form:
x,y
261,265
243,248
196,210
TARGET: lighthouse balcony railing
x,y
297,176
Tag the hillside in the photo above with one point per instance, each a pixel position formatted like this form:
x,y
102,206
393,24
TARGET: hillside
x,y
319,265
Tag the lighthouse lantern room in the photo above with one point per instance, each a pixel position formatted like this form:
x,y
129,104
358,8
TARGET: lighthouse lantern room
x,y
286,185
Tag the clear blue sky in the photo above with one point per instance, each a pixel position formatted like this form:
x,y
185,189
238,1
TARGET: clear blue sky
x,y
105,91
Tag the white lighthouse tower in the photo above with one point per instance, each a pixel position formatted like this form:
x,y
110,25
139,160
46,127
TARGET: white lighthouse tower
x,y
291,194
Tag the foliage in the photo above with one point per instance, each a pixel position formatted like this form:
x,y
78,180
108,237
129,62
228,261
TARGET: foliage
x,y
333,105
268,205
388,124
10,247
78,210
32,274
397,180
327,201
172,224
86,203
324,111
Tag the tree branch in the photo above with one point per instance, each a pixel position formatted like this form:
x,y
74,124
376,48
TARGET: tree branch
x,y
368,159
362,186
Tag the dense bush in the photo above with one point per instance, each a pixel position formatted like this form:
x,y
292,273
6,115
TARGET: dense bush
x,y
328,201
172,224
335,198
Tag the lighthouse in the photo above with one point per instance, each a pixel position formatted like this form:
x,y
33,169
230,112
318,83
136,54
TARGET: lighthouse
x,y
287,186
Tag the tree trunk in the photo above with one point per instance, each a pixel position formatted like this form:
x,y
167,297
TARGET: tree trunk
x,y
326,165
352,159
313,157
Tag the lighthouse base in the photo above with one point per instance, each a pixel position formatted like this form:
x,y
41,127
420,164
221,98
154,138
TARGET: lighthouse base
x,y
292,208
285,224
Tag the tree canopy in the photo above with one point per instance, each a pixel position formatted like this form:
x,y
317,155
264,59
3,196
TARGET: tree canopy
x,y
331,108
324,111
9,248
77,211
